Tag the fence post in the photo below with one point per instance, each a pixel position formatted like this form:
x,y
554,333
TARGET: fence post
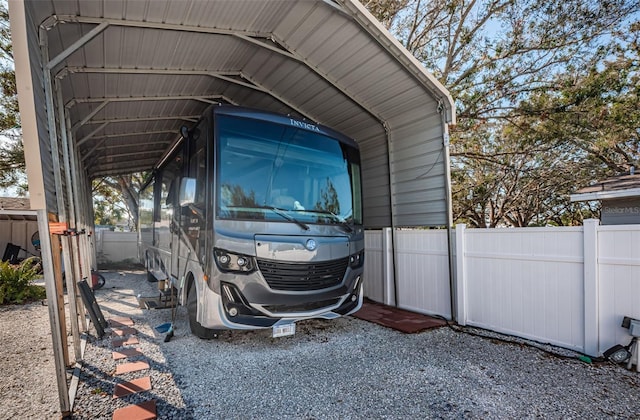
x,y
387,267
461,277
591,289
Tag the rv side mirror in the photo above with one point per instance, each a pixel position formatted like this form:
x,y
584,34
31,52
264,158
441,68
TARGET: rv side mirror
x,y
184,131
187,191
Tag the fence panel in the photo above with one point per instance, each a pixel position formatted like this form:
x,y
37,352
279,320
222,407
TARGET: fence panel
x,y
619,281
422,267
116,246
18,232
373,266
527,282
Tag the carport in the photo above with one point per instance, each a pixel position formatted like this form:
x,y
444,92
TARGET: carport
x,y
105,85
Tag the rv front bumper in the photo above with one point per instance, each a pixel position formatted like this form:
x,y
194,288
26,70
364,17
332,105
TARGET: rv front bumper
x,y
231,310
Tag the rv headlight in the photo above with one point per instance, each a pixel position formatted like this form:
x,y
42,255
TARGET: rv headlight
x,y
233,263
356,260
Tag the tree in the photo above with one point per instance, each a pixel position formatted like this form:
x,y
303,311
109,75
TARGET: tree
x,y
116,198
12,164
508,63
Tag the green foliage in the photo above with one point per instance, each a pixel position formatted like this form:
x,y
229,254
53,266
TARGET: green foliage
x,y
12,164
9,119
16,282
116,199
547,98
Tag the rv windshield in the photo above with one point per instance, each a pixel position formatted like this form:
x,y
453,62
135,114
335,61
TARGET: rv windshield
x,y
276,172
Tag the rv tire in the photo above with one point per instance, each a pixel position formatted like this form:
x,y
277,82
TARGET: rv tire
x,y
192,308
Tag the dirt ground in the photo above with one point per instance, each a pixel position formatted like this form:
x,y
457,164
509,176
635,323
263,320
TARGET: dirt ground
x,y
28,388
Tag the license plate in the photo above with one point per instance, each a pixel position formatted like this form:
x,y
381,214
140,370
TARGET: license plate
x,y
284,330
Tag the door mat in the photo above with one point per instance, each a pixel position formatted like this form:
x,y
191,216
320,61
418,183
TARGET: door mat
x,y
399,319
155,302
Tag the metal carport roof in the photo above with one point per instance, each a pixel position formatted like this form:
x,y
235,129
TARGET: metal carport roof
x,y
125,75
105,85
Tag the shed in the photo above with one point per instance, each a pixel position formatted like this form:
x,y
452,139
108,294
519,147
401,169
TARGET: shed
x,y
619,197
104,86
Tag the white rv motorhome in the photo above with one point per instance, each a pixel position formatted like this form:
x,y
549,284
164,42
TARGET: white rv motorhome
x,y
255,219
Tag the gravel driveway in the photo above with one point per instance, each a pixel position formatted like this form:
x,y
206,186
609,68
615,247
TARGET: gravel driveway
x,y
345,368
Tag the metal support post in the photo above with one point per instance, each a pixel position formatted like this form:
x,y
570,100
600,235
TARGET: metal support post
x,y
54,319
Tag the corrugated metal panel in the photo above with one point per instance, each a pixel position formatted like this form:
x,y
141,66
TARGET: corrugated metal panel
x,y
418,167
305,58
41,113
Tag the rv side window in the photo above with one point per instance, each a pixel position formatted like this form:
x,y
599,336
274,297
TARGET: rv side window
x,y
194,215
198,162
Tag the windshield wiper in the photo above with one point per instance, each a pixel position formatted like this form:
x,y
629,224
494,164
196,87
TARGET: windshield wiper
x,y
343,223
281,212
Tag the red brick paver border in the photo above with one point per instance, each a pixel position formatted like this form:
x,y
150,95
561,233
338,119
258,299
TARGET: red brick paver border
x,y
131,367
132,387
121,321
142,411
124,331
118,342
125,353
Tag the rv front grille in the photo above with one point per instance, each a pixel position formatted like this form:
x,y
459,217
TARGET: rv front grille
x,y
303,276
303,307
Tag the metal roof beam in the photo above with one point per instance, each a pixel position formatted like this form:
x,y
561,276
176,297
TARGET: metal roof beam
x,y
100,107
144,143
76,45
101,147
190,118
244,80
126,167
144,152
156,25
137,70
205,98
137,133
91,134
106,101
93,149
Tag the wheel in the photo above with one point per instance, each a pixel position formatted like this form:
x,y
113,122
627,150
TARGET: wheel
x,y
192,308
97,280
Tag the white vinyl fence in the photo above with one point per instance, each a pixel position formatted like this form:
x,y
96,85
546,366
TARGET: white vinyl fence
x,y
570,287
114,247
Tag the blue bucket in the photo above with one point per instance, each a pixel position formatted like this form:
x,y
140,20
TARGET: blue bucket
x,y
163,328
